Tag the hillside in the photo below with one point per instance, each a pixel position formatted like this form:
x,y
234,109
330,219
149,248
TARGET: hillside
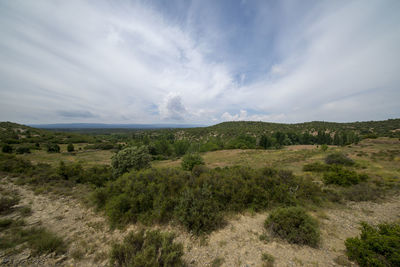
x,y
388,128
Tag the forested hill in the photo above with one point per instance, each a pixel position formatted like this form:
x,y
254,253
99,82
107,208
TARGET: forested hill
x,y
389,128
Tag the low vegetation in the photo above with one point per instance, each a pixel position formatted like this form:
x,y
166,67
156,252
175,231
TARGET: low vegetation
x,y
376,246
147,248
339,159
343,177
294,225
189,161
161,195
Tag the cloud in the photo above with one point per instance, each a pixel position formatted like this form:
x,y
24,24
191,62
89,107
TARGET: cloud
x,y
173,109
198,62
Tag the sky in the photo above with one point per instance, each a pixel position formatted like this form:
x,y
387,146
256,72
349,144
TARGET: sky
x,y
199,62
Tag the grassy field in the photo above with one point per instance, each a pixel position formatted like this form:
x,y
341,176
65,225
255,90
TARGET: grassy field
x,y
86,157
380,158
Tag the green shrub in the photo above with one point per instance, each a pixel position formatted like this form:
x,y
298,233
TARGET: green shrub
x,y
343,177
70,147
53,148
294,225
190,160
150,248
12,164
376,246
198,211
7,203
316,167
43,241
7,148
324,147
23,150
197,200
268,260
130,158
339,159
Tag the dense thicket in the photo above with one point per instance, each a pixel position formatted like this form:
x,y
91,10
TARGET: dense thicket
x,y
197,201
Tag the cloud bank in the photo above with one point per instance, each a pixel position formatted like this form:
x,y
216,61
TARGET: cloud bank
x,y
199,61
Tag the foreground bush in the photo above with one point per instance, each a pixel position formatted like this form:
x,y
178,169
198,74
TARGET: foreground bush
x,y
191,160
340,176
376,246
150,248
130,158
294,225
198,211
198,200
339,159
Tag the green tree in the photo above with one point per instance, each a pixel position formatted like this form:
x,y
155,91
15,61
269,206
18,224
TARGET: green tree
x,y
130,158
70,147
265,142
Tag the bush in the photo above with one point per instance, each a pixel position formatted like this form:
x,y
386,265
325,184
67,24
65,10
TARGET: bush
x,y
7,149
198,211
130,158
316,167
7,203
198,200
43,241
150,248
23,150
53,148
12,164
70,147
339,159
294,225
376,246
343,177
191,160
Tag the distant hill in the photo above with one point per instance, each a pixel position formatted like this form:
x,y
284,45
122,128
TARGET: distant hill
x,y
111,126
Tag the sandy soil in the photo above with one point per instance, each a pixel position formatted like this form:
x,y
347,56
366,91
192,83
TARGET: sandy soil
x,y
237,244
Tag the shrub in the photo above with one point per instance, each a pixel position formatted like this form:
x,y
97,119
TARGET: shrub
x,y
70,147
316,167
198,200
294,225
12,164
150,248
198,211
23,150
191,160
130,158
268,260
343,177
43,241
376,246
339,159
53,148
324,147
7,149
7,203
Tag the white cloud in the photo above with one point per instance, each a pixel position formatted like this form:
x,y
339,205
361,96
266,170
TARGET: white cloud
x,y
126,62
